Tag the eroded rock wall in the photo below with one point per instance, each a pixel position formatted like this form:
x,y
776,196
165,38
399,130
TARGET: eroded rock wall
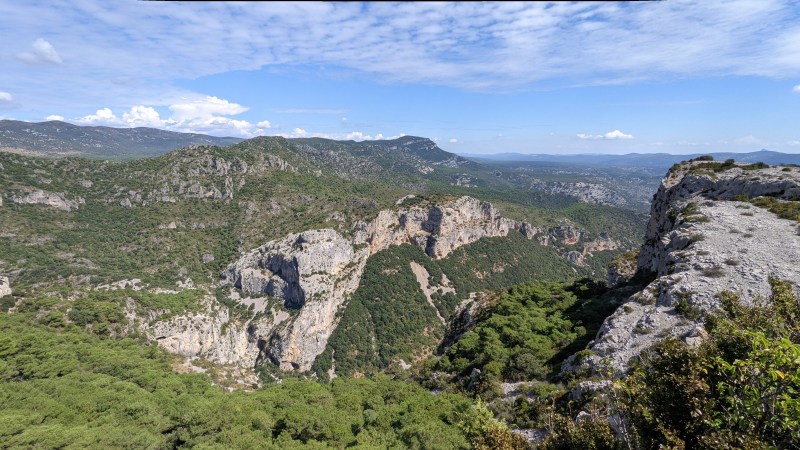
x,y
313,273
701,242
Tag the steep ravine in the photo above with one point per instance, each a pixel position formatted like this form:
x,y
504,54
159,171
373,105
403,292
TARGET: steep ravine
x,y
303,281
699,242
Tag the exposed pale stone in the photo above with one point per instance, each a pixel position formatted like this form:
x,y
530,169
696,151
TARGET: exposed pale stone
x,y
56,200
316,271
723,245
5,287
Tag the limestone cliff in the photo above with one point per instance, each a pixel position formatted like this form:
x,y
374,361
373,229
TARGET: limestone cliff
x,y
316,271
310,275
699,242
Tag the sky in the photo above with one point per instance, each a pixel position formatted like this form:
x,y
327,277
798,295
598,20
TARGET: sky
x,y
588,77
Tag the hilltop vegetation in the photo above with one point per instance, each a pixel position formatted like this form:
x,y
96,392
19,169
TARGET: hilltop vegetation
x,y
156,219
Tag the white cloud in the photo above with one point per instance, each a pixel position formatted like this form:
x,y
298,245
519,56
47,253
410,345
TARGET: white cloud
x,y
206,115
296,133
796,89
351,136
42,52
453,141
793,143
102,117
481,46
207,108
611,135
54,117
616,134
142,116
7,101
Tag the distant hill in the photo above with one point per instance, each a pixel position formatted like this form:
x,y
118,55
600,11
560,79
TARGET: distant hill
x,y
56,138
654,160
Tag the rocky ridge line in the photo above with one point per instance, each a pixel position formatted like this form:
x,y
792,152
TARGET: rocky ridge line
x,y
700,241
313,273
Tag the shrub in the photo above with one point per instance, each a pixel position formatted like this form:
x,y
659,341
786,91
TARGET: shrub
x,y
714,272
687,310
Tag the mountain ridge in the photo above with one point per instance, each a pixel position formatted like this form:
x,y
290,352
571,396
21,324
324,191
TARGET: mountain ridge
x,y
660,160
58,138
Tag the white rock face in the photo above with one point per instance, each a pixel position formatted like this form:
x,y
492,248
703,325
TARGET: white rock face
x,y
715,245
214,335
440,229
315,272
5,287
56,200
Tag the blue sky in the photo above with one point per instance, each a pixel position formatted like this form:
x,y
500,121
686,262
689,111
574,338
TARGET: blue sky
x,y
671,76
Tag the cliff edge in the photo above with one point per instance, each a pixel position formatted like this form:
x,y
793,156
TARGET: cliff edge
x,y
713,227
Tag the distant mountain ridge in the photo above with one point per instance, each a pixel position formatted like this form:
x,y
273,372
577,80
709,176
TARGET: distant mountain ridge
x,y
655,160
56,138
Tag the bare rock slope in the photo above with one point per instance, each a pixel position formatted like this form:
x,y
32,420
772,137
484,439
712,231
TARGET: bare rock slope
x,y
702,239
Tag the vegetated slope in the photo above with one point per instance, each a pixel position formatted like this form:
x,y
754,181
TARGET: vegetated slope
x,y
624,186
164,218
185,216
56,138
714,316
388,319
65,382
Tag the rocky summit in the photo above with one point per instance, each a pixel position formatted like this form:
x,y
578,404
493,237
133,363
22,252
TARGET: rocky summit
x,y
705,236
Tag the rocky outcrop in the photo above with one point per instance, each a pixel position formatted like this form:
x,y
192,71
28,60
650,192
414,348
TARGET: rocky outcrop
x,y
566,235
313,274
5,287
214,335
56,200
316,271
197,173
300,267
699,243
586,192
437,229
622,268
